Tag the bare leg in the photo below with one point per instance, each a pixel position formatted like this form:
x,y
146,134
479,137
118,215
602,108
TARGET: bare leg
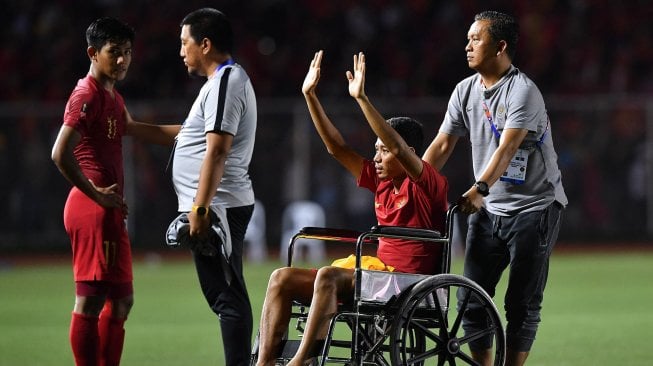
x,y
120,308
96,331
285,285
483,357
89,305
331,284
514,358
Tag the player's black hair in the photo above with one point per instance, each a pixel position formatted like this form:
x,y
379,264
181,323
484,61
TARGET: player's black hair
x,y
108,29
410,130
503,27
212,24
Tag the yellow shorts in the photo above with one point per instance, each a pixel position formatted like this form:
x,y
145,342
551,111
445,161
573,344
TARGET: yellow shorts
x,y
367,262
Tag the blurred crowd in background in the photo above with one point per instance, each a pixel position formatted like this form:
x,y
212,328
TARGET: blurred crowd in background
x,y
591,60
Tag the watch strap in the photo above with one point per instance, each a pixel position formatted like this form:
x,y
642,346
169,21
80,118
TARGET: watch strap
x,y
483,188
200,210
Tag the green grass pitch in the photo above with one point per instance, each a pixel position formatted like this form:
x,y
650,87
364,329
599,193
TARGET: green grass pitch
x,y
597,311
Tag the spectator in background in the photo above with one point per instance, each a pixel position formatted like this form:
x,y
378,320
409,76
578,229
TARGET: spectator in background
x,y
518,197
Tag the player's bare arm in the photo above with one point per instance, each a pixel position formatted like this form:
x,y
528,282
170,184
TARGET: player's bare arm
x,y
390,138
62,155
331,137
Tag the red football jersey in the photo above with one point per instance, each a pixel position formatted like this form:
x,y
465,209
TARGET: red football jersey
x,y
100,244
99,117
421,204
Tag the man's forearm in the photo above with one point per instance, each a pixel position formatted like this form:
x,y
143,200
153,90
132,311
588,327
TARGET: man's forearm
x,y
152,133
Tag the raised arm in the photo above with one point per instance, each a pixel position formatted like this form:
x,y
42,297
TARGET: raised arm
x,y
390,138
333,140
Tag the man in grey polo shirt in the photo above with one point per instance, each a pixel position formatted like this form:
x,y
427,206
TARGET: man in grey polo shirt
x,y
210,170
517,199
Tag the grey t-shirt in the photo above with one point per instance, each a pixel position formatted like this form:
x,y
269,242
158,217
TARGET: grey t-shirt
x,y
514,102
225,103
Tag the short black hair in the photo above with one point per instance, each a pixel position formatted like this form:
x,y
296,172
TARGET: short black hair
x,y
212,24
108,29
410,130
502,27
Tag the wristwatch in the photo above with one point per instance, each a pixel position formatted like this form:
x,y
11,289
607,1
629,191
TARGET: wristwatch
x,y
200,210
482,188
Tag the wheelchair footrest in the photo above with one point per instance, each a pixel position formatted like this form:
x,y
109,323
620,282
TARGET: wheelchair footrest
x,y
289,348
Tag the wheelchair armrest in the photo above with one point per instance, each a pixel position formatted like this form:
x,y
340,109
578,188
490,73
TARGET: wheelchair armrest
x,y
329,234
345,236
408,232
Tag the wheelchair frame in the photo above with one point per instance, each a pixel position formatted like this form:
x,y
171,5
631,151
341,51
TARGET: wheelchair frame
x,y
403,326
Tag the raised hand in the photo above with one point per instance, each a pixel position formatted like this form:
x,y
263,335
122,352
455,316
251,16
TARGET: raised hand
x,y
313,75
357,79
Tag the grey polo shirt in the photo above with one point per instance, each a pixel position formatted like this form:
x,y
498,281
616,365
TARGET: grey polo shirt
x,y
514,102
225,103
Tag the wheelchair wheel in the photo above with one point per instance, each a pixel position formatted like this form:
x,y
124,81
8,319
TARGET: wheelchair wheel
x,y
431,316
413,345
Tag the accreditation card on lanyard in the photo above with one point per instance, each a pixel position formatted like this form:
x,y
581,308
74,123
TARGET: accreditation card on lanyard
x,y
516,172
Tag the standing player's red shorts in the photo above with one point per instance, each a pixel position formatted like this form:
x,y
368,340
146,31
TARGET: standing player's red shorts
x,y
100,244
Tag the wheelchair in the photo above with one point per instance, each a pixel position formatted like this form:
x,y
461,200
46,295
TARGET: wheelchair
x,y
399,318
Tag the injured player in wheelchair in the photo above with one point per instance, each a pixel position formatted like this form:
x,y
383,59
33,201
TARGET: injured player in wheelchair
x,y
407,192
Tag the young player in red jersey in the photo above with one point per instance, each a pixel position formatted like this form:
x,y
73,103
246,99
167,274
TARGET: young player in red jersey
x,y
407,192
88,152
